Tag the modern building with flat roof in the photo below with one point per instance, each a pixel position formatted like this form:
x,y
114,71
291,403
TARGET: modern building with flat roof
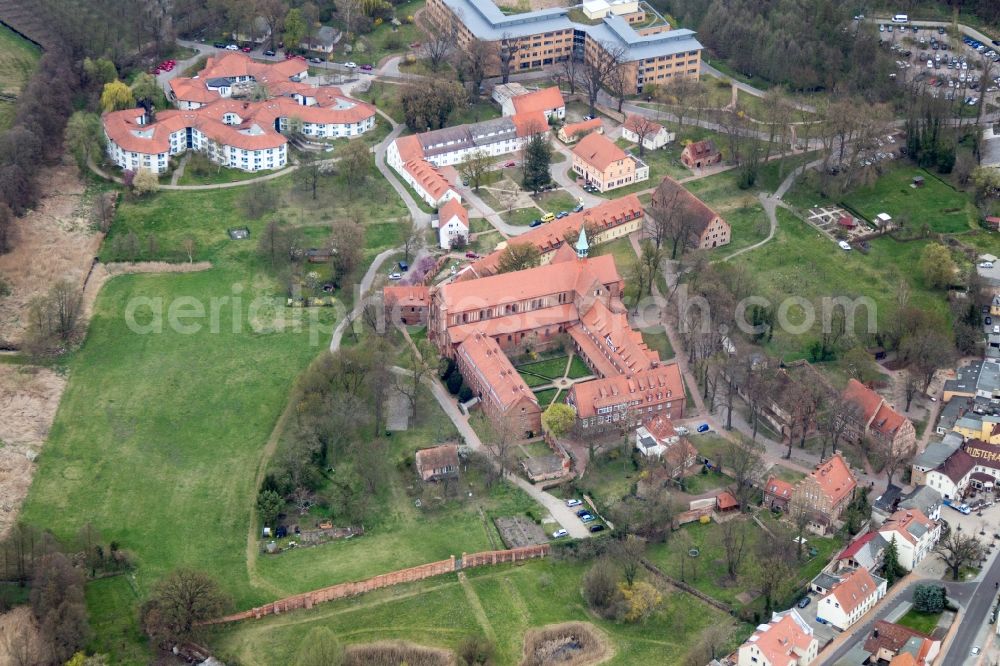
x,y
548,36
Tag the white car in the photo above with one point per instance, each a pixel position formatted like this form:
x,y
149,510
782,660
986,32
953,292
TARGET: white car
x,y
350,65
844,245
573,502
986,264
232,47
681,430
558,534
975,651
395,276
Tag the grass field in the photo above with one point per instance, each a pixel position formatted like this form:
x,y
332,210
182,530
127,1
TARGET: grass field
x,y
799,262
502,602
545,397
660,342
696,484
935,204
709,572
18,58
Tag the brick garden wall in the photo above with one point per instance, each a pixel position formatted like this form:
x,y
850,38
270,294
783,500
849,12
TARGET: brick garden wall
x,y
413,574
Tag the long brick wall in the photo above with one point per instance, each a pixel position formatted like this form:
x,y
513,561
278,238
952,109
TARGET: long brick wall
x,y
413,574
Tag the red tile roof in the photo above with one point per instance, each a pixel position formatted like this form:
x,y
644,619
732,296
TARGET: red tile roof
x,y
891,637
546,99
853,589
899,522
725,501
429,178
782,641
778,488
437,457
857,545
407,296
957,466
661,427
701,148
649,127
453,208
659,385
570,129
496,370
522,321
671,193
598,151
192,90
834,478
607,335
530,123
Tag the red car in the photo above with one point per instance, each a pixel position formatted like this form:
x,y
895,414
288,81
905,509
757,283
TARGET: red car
x,y
510,165
156,71
471,255
247,49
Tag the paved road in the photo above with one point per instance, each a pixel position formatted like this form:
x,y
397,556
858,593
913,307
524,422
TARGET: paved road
x,y
555,506
976,611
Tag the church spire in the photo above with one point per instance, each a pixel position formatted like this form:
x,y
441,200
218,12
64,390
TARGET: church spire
x,y
582,246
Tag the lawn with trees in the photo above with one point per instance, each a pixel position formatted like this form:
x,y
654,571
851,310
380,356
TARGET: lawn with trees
x,y
18,58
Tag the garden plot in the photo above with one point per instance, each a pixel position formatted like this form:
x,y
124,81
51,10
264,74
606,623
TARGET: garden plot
x,y
519,531
826,218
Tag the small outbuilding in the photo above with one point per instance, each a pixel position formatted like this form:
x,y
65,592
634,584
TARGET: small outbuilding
x,y
725,501
438,463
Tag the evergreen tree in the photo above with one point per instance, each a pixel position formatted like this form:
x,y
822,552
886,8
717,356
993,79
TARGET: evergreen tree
x,y
537,156
892,570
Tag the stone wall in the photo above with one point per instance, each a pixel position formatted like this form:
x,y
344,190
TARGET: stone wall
x,y
413,574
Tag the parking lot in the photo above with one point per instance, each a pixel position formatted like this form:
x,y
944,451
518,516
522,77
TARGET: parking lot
x,y
944,66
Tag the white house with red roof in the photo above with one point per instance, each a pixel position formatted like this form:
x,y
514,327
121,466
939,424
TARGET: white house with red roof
x,y
867,551
653,134
453,224
548,101
787,640
849,599
236,133
915,535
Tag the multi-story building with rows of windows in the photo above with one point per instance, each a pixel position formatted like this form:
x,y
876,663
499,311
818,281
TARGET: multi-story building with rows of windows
x,y
215,117
651,55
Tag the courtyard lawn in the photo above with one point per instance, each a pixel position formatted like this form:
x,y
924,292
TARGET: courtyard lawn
x,y
521,217
800,262
218,174
660,342
502,601
925,623
557,201
552,368
786,473
709,445
545,397
935,204
578,369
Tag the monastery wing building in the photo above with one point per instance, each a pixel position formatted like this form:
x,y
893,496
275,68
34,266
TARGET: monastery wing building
x,y
574,300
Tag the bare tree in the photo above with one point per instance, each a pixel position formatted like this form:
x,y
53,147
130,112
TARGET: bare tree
x,y
475,167
775,558
800,514
104,213
744,461
734,539
509,48
441,38
835,422
597,72
569,68
628,553
895,455
642,127
958,549
413,239
179,602
620,79
667,220
189,247
476,61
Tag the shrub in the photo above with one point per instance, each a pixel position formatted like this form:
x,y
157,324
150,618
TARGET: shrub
x,y
929,598
464,393
476,651
601,591
454,382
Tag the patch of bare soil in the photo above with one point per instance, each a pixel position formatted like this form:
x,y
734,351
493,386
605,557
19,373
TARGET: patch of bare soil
x,y
19,639
29,397
52,242
393,653
566,644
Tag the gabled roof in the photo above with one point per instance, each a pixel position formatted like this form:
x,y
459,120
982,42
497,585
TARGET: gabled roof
x,y
783,640
853,590
868,541
429,178
530,123
452,208
546,99
778,488
500,378
598,151
406,295
650,127
910,524
660,427
656,385
834,478
701,148
890,636
571,129
438,457
669,192
957,466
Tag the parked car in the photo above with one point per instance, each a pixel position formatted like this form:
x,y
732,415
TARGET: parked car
x,y
578,208
583,512
704,427
315,60
986,264
232,47
366,68
844,245
587,518
975,651
681,430
350,65
989,321
269,52
246,49
560,533
403,266
548,217
594,529
535,223
510,165
471,255
574,502
561,215
395,276
803,602
219,45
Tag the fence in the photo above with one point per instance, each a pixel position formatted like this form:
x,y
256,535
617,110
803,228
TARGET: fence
x,y
653,569
413,574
